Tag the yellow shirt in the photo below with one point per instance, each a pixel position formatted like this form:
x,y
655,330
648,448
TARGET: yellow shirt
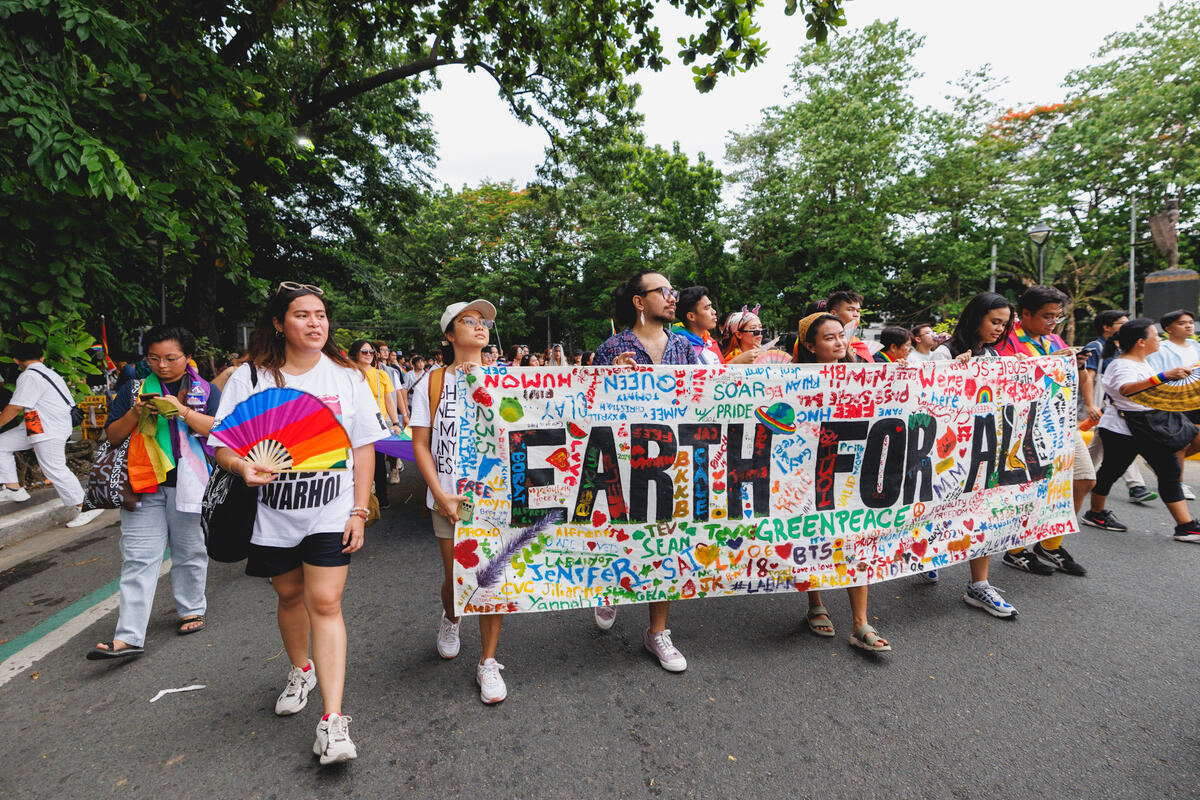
x,y
381,387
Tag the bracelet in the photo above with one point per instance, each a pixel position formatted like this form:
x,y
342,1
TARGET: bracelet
x,y
360,508
360,513
1155,380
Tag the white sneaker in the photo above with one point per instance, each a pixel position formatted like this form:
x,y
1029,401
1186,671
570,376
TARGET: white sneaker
x,y
491,685
668,655
84,517
605,617
8,495
295,694
333,743
447,638
1188,494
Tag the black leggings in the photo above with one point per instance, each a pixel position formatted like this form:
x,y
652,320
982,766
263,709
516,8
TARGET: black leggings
x,y
381,479
1120,451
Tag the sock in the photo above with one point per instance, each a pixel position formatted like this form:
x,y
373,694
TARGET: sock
x,y
306,667
979,584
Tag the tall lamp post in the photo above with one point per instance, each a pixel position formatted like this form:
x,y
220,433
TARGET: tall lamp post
x,y
1039,234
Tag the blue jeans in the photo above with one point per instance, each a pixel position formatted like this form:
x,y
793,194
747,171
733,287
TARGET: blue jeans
x,y
145,533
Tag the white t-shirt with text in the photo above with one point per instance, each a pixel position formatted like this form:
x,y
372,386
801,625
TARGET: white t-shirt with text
x,y
443,434
298,504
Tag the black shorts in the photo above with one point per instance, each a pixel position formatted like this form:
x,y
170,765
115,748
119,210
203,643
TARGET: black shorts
x,y
1193,415
317,549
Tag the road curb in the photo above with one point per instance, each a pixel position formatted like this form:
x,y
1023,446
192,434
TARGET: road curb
x,y
28,522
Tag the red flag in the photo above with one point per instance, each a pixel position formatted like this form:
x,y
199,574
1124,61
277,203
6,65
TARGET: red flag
x,y
108,362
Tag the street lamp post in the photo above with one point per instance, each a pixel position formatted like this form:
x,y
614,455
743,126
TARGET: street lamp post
x,y
1039,234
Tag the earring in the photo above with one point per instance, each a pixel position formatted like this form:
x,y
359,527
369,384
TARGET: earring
x,y
278,334
642,314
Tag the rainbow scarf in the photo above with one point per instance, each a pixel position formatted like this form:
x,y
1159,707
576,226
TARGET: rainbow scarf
x,y
152,449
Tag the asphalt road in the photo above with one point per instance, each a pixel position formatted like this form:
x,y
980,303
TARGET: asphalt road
x,y
1091,693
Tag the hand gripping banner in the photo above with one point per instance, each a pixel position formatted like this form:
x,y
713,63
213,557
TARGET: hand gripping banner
x,y
600,485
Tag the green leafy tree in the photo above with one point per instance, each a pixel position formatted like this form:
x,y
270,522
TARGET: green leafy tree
x,y
825,175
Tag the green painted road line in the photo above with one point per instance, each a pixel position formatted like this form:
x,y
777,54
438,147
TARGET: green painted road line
x,y
19,643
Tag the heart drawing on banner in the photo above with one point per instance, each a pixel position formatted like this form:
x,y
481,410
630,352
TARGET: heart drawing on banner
x,y
734,542
784,550
919,547
706,554
591,545
598,519
464,553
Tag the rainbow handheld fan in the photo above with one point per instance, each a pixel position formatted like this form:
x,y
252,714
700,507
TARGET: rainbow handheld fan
x,y
1178,395
286,430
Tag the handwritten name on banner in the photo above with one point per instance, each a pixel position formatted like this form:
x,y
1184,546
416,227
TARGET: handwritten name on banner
x,y
596,486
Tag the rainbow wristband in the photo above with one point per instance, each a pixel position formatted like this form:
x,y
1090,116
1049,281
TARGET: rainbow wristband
x,y
1155,380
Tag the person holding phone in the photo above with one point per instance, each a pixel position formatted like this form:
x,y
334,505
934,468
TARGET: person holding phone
x,y
1041,309
301,545
466,328
174,406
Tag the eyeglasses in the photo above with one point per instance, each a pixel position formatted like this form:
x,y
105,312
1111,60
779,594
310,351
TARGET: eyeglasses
x,y
754,332
164,359
666,291
473,322
292,286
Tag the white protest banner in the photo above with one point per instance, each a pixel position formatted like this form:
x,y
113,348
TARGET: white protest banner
x,y
603,485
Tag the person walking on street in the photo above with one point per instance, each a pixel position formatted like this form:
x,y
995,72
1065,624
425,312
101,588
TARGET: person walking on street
x,y
1092,400
466,328
178,406
46,401
304,549
645,307
1041,309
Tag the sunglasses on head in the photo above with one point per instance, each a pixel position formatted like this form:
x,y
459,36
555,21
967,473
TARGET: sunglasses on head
x,y
292,286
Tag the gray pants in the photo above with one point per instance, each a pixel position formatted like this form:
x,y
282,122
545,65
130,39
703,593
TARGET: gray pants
x,y
145,533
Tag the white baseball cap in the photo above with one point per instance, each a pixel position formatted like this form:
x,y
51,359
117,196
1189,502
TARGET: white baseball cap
x,y
452,312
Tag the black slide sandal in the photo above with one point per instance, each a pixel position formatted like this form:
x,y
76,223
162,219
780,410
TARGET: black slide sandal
x,y
96,654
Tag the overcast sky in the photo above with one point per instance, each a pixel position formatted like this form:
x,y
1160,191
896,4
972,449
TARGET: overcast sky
x,y
1032,43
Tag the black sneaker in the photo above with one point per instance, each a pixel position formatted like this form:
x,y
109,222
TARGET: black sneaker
x,y
1140,494
1061,560
1188,532
1104,520
1028,562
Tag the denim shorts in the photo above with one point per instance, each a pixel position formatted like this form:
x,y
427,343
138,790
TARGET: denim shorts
x,y
317,550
